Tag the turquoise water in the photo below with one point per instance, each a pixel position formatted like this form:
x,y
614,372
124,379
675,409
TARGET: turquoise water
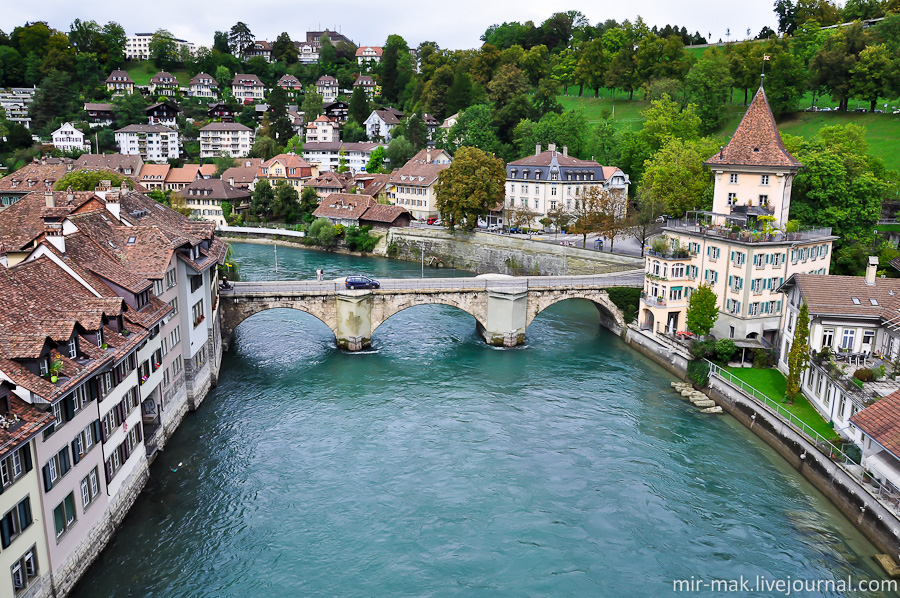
x,y
435,465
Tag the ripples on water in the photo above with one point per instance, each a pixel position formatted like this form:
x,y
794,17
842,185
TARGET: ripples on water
x,y
434,465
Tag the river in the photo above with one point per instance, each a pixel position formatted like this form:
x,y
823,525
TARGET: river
x,y
435,465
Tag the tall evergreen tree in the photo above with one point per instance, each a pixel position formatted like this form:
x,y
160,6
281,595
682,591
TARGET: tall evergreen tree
x,y
359,106
798,356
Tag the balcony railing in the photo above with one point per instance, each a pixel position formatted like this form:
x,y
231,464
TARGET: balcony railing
x,y
745,235
655,301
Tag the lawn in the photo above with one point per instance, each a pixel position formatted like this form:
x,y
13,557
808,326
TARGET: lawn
x,y
141,71
772,383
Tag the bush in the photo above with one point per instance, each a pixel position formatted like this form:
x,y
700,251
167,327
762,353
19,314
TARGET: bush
x,y
864,375
359,239
626,299
698,372
760,358
725,349
857,382
704,348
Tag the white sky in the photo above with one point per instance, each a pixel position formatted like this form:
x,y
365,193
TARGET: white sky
x,y
453,25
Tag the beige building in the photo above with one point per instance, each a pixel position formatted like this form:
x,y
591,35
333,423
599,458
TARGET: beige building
x,y
119,82
204,86
225,139
413,185
323,129
247,89
740,249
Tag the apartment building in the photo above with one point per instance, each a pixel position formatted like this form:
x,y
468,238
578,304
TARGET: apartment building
x,y
225,139
154,143
742,249
413,185
67,138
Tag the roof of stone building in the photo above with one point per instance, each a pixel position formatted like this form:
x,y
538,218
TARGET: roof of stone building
x,y
881,421
348,206
756,142
27,421
119,163
383,213
546,158
244,79
21,224
154,172
361,51
370,184
145,129
419,171
225,127
185,174
113,76
195,80
36,177
330,180
833,295
216,189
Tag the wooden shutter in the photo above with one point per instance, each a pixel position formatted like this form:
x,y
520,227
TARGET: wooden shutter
x,y
26,457
106,471
64,463
98,431
25,513
48,485
5,533
75,451
69,407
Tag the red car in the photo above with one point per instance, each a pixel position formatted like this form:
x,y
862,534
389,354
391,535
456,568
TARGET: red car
x,y
431,220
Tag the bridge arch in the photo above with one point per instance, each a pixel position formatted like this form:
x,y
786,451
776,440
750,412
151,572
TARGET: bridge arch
x,y
386,306
610,314
235,312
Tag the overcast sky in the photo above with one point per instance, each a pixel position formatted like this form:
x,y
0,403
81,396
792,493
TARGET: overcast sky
x,y
453,25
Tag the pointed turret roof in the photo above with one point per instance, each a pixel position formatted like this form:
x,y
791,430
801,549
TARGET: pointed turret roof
x,y
756,142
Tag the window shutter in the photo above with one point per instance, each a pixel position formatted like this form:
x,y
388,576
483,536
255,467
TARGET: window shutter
x,y
106,471
92,388
75,450
25,512
64,463
103,432
95,425
48,485
26,457
126,449
5,533
69,407
138,431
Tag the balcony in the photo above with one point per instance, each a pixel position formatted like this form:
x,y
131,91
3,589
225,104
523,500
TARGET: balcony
x,y
653,301
743,227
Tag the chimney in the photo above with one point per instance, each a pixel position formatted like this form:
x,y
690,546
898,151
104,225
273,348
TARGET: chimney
x,y
551,147
428,156
870,269
53,233
70,195
537,150
565,151
112,204
51,201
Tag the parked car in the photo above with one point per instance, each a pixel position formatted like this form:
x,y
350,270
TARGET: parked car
x,y
514,230
431,221
362,282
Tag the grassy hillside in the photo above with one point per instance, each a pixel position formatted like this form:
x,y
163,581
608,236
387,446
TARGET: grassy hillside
x,y
882,130
141,71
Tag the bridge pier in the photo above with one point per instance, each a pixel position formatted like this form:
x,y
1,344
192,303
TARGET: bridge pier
x,y
507,314
354,320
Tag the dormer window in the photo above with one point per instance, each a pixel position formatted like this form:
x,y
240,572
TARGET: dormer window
x,y
73,348
100,337
43,366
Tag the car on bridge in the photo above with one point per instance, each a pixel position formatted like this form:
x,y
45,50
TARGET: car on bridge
x,y
362,282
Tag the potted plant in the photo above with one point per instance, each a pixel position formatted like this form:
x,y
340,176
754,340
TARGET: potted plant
x,y
55,367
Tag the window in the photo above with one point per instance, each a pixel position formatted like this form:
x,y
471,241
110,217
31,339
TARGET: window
x,y
171,280
90,488
174,304
24,571
196,283
14,466
177,365
675,294
73,348
733,179
14,522
827,337
848,338
64,515
763,200
197,312
57,466
732,199
764,179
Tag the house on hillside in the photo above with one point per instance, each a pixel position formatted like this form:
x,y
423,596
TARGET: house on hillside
x,y
247,89
99,115
381,122
203,85
369,54
163,113
225,139
204,197
291,86
220,111
290,168
368,85
67,138
119,83
163,83
413,185
154,143
323,129
327,87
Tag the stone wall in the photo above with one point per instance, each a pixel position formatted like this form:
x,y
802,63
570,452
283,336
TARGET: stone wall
x,y
487,253
878,524
67,575
647,345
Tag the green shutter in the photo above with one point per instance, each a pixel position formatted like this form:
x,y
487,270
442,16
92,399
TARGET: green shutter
x,y
26,457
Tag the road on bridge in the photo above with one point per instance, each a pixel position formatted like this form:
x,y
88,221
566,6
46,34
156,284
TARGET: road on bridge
x,y
630,278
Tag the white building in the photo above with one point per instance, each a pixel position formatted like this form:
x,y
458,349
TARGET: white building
x,y
137,46
413,185
204,86
247,89
68,138
323,129
152,142
327,155
327,87
381,122
230,139
366,54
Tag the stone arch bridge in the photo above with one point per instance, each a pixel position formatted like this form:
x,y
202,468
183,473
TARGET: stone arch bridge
x,y
502,306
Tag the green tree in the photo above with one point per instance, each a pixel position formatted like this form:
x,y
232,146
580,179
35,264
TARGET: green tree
x,y
354,132
415,132
644,218
284,50
831,67
294,146
327,53
459,96
676,176
872,75
278,125
399,151
376,160
262,199
358,110
798,356
286,203
312,106
129,109
474,128
115,40
263,147
391,79
57,97
473,185
322,233
163,49
223,163
240,38
87,180
12,67
709,83
702,311
309,202
247,117
437,91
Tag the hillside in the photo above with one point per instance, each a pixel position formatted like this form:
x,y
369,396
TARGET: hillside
x,y
882,130
141,71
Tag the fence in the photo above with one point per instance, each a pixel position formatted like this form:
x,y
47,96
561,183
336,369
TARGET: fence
x,y
888,498
415,284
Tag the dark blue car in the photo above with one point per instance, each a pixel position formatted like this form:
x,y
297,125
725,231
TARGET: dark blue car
x,y
362,282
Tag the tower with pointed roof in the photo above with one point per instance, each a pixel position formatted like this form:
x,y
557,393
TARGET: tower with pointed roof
x,y
754,170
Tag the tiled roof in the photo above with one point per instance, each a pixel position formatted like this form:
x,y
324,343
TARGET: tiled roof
x,y
185,174
418,172
225,127
365,81
29,420
330,180
242,175
327,80
288,81
34,177
390,116
145,129
117,77
154,173
362,51
383,213
546,157
217,189
335,146
370,184
833,295
881,421
195,80
243,79
208,170
21,224
288,161
348,206
117,163
756,142
161,76
94,107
